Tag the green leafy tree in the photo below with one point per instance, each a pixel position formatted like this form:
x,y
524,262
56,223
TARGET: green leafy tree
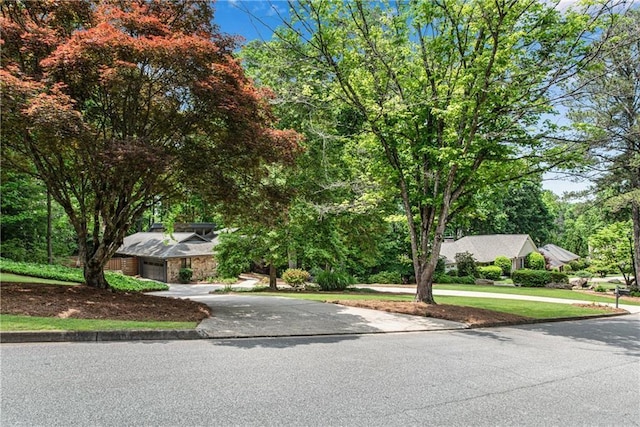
x,y
25,219
613,245
445,94
606,110
514,208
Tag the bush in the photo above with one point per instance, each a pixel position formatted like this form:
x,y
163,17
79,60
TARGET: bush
x,y
584,274
295,277
445,279
579,264
531,278
466,264
333,280
185,275
600,288
535,261
504,263
440,266
452,273
491,272
559,277
386,277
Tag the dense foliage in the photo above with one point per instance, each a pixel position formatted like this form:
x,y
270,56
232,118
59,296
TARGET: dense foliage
x,y
535,261
116,105
295,277
531,278
491,272
504,263
466,264
333,280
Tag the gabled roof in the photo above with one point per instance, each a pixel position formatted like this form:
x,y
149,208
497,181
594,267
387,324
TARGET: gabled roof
x,y
557,256
487,248
160,245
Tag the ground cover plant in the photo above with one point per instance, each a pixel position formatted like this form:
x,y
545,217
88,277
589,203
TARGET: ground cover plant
x,y
117,281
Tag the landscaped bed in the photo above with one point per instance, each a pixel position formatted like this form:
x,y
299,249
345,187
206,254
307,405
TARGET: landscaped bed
x,y
83,302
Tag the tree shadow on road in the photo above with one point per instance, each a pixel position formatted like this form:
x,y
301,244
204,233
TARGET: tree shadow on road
x,y
281,342
622,332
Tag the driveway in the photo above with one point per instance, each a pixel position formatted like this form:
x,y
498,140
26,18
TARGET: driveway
x,y
243,316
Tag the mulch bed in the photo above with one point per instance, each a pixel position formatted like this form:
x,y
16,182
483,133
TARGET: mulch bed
x,y
83,302
474,317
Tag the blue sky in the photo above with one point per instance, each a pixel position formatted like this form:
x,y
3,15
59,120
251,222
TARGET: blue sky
x,y
255,19
252,19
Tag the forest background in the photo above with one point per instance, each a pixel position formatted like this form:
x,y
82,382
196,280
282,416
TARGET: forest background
x,y
338,218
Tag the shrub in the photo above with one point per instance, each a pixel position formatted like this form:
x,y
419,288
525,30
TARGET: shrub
x,y
333,280
445,279
531,278
504,263
452,273
466,264
295,277
185,275
386,277
440,266
491,272
579,264
600,288
584,274
559,277
535,261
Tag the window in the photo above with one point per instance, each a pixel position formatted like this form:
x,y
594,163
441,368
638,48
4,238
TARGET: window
x,y
186,262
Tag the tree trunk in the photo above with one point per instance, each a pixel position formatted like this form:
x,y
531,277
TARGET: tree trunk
x,y
273,284
94,274
49,230
635,213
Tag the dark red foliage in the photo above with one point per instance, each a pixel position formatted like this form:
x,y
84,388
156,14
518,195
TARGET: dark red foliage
x,y
118,103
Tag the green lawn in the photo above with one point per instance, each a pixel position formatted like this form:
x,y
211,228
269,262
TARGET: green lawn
x,y
534,309
539,292
10,277
10,322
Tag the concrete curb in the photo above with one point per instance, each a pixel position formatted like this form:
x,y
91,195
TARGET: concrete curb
x,y
15,337
79,336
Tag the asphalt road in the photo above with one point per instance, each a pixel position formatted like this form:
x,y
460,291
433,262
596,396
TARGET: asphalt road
x,y
568,373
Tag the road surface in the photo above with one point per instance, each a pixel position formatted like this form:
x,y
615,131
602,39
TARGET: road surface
x,y
568,373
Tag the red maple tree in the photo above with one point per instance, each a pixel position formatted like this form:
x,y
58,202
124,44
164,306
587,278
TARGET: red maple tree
x,y
114,104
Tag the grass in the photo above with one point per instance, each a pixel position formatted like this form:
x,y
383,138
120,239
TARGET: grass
x,y
10,277
10,322
538,292
117,281
534,309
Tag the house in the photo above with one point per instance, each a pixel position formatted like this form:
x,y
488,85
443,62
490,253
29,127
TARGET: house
x,y
558,257
161,255
485,249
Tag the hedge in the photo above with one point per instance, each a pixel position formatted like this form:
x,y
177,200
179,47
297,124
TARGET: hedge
x,y
491,272
445,279
531,278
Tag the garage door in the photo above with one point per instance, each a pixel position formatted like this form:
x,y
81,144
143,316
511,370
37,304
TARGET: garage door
x,y
153,270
